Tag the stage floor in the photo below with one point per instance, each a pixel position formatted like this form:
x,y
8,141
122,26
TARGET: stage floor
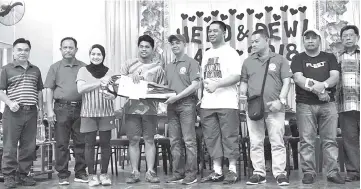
x,y
119,183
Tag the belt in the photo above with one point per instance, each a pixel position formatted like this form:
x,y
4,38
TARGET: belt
x,y
185,99
27,107
71,103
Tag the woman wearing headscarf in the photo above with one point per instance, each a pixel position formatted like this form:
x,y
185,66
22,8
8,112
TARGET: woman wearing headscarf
x,y
97,113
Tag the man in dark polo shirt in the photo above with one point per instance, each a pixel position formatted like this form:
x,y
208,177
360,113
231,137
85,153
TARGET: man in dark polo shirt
x,y
275,93
183,76
316,74
62,90
23,85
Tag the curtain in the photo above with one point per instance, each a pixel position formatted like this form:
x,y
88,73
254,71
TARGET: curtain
x,y
121,18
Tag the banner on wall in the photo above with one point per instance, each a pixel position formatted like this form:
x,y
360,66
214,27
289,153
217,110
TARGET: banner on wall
x,y
240,26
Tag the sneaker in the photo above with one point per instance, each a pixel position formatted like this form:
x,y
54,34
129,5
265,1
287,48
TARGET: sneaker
x,y
82,178
231,178
93,180
26,180
105,180
351,178
64,181
336,178
256,179
133,178
175,179
214,177
151,177
9,182
308,178
189,179
282,180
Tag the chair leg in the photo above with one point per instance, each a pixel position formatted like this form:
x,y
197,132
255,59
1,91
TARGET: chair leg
x,y
116,161
156,156
245,159
288,169
164,158
341,155
294,147
96,159
111,161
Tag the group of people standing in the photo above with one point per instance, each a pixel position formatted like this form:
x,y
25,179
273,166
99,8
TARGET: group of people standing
x,y
80,109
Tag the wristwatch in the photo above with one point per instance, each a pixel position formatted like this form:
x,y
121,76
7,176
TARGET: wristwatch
x,y
326,84
283,101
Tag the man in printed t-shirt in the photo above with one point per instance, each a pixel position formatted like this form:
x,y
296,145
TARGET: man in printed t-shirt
x,y
316,74
221,70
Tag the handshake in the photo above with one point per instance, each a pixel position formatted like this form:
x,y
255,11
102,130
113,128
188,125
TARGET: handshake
x,y
319,88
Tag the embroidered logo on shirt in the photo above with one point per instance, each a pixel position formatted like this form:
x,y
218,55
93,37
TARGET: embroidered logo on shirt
x,y
318,65
272,67
183,70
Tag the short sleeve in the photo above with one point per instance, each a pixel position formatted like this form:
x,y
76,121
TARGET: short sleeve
x,y
296,64
285,69
244,72
194,71
235,63
124,69
40,84
81,74
165,75
203,63
333,62
50,78
3,79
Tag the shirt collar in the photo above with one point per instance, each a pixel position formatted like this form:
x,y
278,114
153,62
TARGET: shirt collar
x,y
270,55
357,51
66,64
182,59
16,64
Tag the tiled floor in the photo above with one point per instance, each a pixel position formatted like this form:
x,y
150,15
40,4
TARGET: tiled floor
x,y
119,183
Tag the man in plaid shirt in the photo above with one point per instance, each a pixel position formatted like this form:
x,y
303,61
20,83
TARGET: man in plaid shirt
x,y
348,98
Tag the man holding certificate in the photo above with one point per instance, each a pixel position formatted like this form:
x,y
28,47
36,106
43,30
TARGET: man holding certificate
x,y
316,74
141,115
183,76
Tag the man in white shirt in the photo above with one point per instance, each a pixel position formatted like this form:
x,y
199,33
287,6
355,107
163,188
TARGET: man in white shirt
x,y
221,68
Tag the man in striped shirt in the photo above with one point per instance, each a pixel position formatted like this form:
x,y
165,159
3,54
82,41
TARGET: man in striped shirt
x,y
23,84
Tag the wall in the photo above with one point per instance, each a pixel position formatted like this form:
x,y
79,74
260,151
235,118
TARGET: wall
x,y
84,22
46,22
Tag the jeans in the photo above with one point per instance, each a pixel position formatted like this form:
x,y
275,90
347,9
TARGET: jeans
x,y
274,122
104,142
350,126
19,128
68,124
309,118
182,135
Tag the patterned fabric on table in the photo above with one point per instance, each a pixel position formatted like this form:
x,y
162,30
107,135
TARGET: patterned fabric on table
x,y
348,89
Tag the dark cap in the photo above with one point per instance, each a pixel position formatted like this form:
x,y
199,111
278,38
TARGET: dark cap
x,y
177,37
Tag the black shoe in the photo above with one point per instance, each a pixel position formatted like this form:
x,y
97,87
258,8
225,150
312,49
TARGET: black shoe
x,y
26,180
175,179
282,180
308,178
351,178
213,177
231,178
9,181
336,178
256,179
83,178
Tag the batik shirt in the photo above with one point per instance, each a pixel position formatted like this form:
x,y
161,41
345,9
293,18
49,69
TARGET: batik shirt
x,y
348,88
151,72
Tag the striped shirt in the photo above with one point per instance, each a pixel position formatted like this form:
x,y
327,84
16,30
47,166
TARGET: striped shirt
x,y
93,103
21,85
348,88
151,72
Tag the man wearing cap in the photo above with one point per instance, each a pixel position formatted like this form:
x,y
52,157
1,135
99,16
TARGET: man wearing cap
x,y
316,74
183,76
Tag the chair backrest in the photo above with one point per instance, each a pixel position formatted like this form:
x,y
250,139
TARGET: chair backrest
x,y
162,128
